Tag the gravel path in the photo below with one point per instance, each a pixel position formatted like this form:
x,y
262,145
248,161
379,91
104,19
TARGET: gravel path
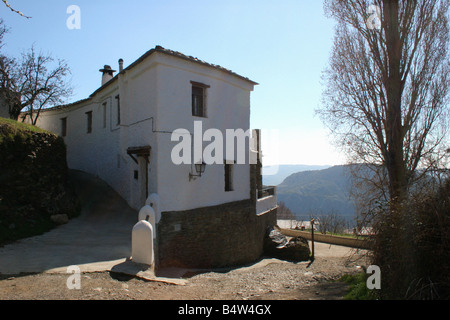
x,y
269,279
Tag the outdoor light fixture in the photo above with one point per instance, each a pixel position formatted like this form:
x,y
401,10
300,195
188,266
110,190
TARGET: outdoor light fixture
x,y
200,168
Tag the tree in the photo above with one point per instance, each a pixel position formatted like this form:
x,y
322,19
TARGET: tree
x,y
284,213
386,100
33,82
14,10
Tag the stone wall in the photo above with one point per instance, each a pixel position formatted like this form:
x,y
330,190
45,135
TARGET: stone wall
x,y
34,182
225,235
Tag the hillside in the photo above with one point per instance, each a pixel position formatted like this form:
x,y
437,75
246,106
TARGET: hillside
x,y
319,192
274,175
33,180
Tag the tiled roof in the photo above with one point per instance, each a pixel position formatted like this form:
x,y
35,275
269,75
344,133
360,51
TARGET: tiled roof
x,y
193,59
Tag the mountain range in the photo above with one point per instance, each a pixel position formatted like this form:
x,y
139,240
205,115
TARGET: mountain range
x,y
318,192
274,175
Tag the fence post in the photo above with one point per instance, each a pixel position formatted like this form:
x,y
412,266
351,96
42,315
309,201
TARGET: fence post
x,y
312,239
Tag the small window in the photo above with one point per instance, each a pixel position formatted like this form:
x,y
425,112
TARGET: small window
x,y
104,114
199,99
228,177
64,127
89,121
118,109
136,175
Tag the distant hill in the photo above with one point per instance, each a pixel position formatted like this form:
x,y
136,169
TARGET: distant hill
x,y
318,191
274,175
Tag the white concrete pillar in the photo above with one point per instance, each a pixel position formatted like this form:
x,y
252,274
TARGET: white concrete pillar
x,y
153,201
148,214
142,243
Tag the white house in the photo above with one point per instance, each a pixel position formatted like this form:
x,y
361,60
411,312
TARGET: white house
x,y
130,129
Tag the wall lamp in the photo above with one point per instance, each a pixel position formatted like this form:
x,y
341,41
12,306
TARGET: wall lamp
x,y
199,168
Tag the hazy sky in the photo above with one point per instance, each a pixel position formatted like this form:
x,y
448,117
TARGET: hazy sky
x,y
284,45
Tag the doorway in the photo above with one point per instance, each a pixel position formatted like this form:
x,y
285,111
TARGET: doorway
x,y
141,156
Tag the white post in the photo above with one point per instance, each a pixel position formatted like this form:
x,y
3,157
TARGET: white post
x,y
153,201
148,214
142,243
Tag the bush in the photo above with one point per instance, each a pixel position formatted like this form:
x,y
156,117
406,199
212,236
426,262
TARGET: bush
x,y
412,247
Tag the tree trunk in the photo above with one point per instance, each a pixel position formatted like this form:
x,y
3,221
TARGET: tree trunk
x,y
395,161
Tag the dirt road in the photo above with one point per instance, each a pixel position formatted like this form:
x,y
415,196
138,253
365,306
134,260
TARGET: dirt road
x,y
268,279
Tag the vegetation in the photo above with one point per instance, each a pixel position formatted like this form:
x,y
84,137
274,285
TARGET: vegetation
x,y
413,250
386,103
358,287
33,181
31,83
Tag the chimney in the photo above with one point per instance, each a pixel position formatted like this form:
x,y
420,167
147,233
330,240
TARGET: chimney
x,y
120,65
107,74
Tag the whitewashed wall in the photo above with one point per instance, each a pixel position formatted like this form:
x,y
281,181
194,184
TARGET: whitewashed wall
x,y
228,107
155,99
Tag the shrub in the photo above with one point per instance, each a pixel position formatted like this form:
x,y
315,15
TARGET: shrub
x,y
412,246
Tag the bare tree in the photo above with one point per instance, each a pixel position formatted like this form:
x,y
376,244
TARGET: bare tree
x,y
14,10
284,213
32,83
386,100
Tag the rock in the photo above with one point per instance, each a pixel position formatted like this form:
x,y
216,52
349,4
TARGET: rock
x,y
278,246
59,218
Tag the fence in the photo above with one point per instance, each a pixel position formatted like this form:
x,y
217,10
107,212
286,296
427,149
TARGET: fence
x,y
326,238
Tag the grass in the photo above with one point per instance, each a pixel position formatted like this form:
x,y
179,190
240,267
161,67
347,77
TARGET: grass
x,y
11,130
19,126
358,287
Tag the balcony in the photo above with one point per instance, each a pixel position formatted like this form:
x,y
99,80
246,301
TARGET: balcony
x,y
266,200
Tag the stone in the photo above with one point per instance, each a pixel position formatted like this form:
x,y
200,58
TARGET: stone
x,y
277,245
59,218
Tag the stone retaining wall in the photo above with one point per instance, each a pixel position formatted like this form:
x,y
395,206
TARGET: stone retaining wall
x,y
219,236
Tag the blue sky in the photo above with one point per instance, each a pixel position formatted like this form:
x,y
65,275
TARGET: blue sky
x,y
283,45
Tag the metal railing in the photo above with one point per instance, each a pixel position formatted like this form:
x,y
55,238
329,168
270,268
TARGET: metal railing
x,y
266,192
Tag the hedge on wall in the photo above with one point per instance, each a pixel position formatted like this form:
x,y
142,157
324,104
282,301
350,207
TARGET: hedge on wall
x,y
33,180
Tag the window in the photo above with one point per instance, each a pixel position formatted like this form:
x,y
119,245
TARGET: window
x,y
199,99
104,114
89,121
228,177
64,126
118,109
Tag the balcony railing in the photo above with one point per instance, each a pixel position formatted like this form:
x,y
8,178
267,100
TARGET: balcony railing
x,y
267,200
266,192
